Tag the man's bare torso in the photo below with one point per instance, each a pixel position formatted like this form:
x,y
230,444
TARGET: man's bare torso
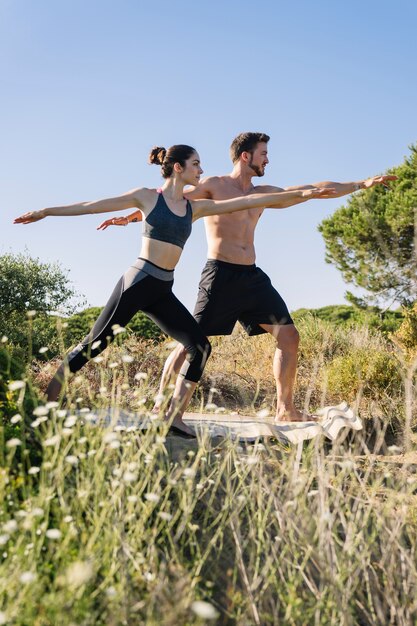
x,y
230,237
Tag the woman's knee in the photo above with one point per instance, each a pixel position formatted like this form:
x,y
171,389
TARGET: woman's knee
x,y
197,355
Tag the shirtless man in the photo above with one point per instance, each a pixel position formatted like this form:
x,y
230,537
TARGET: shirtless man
x,y
232,288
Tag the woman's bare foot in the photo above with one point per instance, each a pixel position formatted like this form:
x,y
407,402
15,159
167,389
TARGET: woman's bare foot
x,y
179,426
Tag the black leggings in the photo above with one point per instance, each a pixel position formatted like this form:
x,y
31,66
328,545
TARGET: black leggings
x,y
148,288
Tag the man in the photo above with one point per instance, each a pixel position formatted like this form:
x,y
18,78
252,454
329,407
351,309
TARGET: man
x,y
232,288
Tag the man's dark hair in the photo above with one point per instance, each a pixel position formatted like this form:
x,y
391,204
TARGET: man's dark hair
x,y
246,142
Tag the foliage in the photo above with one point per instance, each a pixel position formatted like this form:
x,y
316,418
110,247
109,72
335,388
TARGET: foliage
x,y
343,314
31,290
406,335
80,324
371,239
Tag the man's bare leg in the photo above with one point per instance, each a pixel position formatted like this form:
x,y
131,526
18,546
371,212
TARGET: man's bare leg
x,y
172,367
285,369
184,389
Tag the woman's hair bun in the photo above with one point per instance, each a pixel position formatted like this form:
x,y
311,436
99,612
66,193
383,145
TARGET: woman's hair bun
x,y
157,155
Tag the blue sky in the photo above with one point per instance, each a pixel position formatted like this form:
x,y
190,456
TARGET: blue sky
x,y
88,87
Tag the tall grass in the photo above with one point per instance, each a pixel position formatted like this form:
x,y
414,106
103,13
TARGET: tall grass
x,y
103,525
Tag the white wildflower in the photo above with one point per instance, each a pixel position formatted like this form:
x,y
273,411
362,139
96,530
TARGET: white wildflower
x,y
82,440
129,477
148,576
132,499
98,359
113,365
115,444
251,460
312,493
71,459
394,449
52,441
40,411
110,592
127,358
43,350
67,519
10,526
4,539
70,421
91,452
152,497
95,344
16,418
61,413
118,329
142,376
53,533
16,384
167,517
31,313
38,512
13,443
188,472
51,405
4,339
109,437
27,577
204,610
78,573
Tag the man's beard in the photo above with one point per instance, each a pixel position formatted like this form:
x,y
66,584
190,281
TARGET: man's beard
x,y
259,171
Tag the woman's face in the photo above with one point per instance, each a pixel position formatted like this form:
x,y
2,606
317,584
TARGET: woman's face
x,y
192,170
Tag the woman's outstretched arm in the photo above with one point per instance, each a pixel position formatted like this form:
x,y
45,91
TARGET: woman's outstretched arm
x,y
276,200
134,198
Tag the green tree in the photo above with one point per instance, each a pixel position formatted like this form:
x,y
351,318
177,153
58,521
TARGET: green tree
x,y
371,239
80,324
30,292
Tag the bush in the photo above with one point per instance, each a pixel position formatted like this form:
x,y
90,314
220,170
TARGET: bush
x,y
79,325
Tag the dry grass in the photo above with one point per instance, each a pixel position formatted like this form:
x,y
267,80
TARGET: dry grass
x,y
145,525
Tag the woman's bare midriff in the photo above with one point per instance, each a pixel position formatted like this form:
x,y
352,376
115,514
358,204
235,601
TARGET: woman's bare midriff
x,y
160,253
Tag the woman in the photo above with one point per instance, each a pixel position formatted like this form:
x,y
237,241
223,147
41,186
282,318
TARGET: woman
x,y
147,284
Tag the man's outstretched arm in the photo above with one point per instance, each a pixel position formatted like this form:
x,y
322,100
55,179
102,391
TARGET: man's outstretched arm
x,y
341,189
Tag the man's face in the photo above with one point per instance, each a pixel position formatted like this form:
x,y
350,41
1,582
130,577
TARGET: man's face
x,y
259,158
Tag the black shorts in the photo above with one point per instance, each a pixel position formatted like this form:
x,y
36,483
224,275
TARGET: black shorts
x,y
228,293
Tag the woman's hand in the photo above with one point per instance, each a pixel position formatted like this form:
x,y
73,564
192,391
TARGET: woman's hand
x,y
114,221
32,216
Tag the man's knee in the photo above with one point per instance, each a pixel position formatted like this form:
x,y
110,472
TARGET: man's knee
x,y
288,338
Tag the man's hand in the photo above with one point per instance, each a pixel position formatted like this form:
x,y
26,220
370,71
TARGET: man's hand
x,y
114,221
32,216
319,192
378,180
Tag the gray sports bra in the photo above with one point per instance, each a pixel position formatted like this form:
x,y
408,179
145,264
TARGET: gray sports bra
x,y
162,224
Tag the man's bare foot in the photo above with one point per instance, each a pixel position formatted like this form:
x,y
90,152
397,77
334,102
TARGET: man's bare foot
x,y
294,416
